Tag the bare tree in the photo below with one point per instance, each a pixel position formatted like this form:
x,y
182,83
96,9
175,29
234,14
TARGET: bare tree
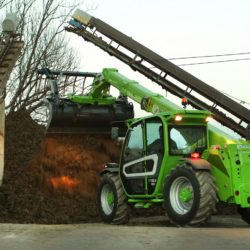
x,y
46,45
4,3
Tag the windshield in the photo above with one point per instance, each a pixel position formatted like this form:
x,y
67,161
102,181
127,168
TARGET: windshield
x,y
187,139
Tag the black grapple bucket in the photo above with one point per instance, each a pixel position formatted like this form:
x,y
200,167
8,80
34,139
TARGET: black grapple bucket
x,y
74,118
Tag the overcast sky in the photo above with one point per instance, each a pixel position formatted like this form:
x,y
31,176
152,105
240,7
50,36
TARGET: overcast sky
x,y
176,28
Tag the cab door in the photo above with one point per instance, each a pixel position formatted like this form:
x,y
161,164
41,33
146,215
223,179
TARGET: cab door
x,y
154,151
142,156
133,161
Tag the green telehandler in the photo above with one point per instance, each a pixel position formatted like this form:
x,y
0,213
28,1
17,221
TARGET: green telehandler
x,y
173,157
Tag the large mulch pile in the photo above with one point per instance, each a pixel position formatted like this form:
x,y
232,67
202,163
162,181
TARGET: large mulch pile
x,y
51,179
54,178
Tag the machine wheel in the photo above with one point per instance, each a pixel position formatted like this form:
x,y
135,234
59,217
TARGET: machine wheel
x,y
190,196
111,200
245,214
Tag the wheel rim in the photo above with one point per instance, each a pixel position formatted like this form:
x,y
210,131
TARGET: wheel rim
x,y
181,195
107,199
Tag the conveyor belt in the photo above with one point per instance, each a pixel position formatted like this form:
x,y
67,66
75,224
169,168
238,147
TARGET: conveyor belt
x,y
159,69
10,48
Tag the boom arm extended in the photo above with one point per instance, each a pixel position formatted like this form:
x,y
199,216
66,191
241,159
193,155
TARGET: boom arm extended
x,y
149,101
96,111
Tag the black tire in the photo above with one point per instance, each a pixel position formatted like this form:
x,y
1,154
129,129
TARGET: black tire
x,y
113,209
245,214
197,206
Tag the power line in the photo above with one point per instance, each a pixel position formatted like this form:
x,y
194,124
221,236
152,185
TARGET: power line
x,y
206,56
237,99
209,62
232,60
219,61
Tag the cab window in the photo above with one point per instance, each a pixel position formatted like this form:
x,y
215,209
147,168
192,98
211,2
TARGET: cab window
x,y
154,136
187,139
134,149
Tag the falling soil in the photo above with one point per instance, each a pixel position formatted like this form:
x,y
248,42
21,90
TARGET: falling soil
x,y
51,179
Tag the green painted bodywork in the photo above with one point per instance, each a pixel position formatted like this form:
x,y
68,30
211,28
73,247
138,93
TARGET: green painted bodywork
x,y
192,117
85,99
231,169
229,158
230,163
98,94
155,102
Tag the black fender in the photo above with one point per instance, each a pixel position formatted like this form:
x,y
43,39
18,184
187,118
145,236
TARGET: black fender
x,y
110,168
197,164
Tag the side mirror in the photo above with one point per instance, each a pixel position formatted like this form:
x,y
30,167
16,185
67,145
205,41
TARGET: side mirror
x,y
248,132
114,132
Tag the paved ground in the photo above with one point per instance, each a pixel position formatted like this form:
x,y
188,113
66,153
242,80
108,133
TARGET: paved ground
x,y
221,233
